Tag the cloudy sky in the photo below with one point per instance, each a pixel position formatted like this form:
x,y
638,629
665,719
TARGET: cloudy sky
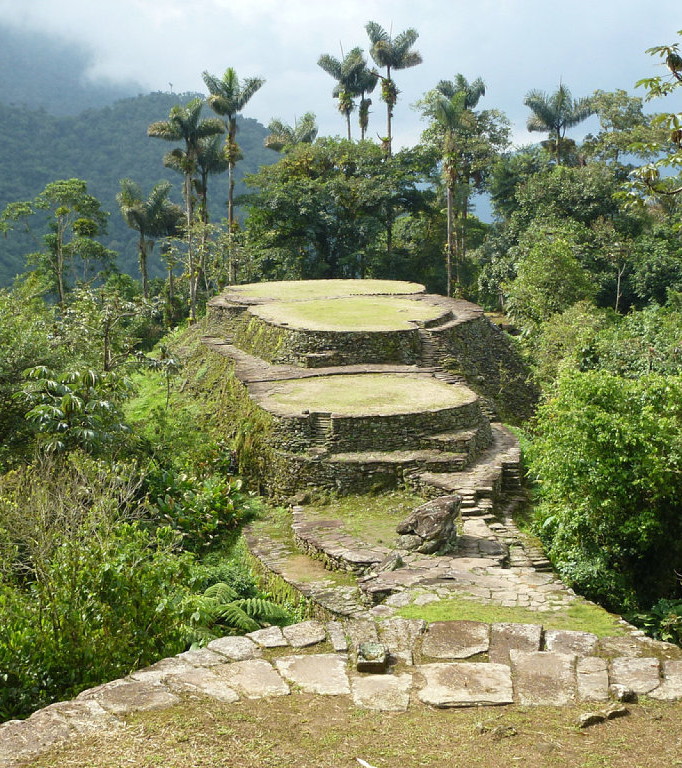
x,y
514,45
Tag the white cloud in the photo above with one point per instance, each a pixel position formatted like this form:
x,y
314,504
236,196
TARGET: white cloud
x,y
515,45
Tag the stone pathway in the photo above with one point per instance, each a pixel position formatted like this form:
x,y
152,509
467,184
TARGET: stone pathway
x,y
447,664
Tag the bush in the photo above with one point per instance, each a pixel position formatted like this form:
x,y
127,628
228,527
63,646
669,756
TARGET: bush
x,y
86,593
607,455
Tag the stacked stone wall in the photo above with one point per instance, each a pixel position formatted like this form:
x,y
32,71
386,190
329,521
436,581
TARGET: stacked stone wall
x,y
482,353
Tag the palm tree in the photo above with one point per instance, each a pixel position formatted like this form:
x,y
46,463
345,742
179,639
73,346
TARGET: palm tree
x,y
227,97
185,124
472,91
554,113
391,53
452,111
283,136
366,83
346,72
211,159
154,217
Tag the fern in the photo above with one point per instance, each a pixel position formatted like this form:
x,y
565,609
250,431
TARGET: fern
x,y
234,617
262,610
221,593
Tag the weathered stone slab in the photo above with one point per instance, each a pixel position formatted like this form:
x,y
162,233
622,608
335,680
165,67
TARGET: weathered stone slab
x,y
639,675
83,716
304,634
270,637
202,657
135,696
520,637
386,693
567,641
456,639
592,678
204,681
252,679
639,647
323,673
465,684
23,739
337,636
543,677
671,687
159,671
400,636
236,648
362,631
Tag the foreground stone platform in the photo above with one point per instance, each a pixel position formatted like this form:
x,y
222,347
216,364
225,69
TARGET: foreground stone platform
x,y
444,665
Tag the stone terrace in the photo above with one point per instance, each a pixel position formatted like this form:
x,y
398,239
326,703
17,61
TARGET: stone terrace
x,y
444,665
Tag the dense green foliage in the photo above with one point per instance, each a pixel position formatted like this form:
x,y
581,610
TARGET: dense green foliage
x,y
607,455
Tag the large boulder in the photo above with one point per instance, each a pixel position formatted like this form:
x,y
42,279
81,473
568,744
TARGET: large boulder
x,y
431,527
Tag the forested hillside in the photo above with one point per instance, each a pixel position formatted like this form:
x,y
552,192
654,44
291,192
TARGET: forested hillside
x,y
102,146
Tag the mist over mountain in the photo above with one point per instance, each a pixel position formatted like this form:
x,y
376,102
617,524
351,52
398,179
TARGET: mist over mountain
x,y
46,72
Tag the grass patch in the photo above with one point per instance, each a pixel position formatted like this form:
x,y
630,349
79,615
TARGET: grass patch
x,y
355,313
371,518
304,731
580,616
370,394
318,289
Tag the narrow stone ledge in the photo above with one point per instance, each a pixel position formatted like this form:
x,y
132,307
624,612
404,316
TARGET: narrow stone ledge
x,y
592,678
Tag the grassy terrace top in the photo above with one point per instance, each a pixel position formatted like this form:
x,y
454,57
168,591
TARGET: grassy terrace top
x,y
366,394
292,290
350,313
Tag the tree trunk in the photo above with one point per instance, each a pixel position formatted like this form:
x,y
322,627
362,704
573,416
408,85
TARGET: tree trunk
x,y
190,251
143,266
449,248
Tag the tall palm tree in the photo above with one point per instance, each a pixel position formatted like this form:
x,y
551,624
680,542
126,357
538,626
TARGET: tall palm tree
x,y
472,91
366,83
391,53
185,124
554,113
152,218
346,72
283,136
211,160
227,97
450,114
453,108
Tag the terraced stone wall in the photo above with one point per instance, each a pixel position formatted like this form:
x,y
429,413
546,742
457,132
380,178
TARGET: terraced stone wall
x,y
401,431
407,431
296,472
482,353
311,349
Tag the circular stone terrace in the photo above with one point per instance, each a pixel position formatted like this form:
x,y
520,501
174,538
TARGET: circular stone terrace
x,y
292,290
365,394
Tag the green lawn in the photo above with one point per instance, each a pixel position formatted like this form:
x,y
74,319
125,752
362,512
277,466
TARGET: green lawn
x,y
579,616
370,394
315,289
352,313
